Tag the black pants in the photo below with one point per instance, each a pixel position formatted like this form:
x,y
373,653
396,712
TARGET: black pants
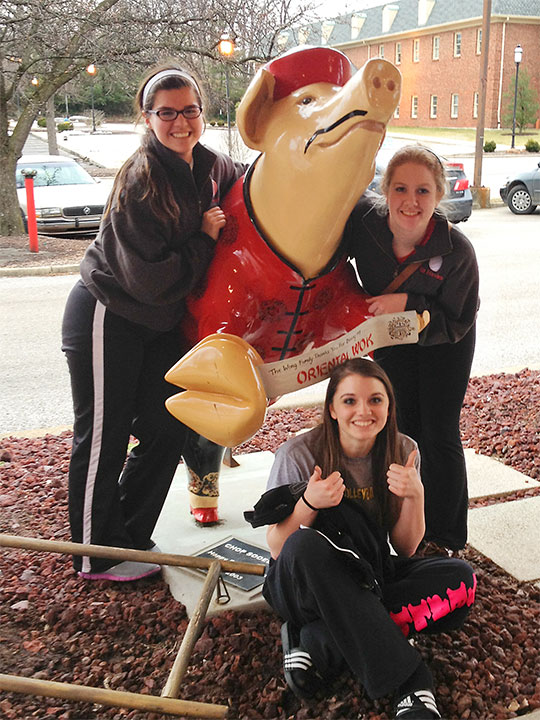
x,y
316,588
430,384
118,388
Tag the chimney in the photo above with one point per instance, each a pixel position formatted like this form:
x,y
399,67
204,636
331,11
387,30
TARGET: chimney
x,y
326,30
424,11
303,35
388,16
357,21
282,40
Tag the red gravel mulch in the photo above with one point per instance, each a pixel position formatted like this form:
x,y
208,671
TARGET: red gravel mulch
x,y
54,626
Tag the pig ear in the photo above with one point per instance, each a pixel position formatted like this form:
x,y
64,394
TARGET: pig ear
x,y
252,113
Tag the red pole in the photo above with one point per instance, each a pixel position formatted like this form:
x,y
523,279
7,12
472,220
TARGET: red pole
x,y
31,210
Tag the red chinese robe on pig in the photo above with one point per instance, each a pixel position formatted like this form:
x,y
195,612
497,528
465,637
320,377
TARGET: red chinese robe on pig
x,y
253,292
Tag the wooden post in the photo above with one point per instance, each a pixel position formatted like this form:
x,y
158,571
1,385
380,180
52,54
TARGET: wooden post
x,y
103,551
111,698
479,146
181,662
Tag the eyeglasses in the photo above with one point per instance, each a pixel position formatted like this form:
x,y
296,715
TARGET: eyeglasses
x,y
168,115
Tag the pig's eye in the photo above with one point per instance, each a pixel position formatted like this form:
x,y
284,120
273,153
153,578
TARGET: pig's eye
x,y
307,100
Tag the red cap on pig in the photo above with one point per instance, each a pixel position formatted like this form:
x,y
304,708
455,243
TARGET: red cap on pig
x,y
303,66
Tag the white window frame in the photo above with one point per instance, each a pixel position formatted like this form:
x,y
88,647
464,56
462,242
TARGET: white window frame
x,y
476,100
416,50
435,47
457,44
396,113
433,103
454,105
414,106
479,41
381,51
398,54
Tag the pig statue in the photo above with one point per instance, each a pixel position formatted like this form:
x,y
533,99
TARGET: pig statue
x,y
280,284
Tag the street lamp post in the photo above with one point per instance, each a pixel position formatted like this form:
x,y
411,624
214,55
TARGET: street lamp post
x,y
92,70
226,49
518,55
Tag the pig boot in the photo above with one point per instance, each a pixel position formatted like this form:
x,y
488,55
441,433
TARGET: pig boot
x,y
203,460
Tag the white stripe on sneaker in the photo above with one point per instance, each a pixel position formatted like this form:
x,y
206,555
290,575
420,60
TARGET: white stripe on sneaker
x,y
427,697
409,702
297,660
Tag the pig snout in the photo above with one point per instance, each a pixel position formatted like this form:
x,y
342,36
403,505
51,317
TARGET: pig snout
x,y
382,83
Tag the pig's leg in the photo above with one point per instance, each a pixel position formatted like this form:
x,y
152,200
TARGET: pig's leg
x,y
203,460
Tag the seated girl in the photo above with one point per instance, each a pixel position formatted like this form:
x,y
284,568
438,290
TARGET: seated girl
x,y
335,496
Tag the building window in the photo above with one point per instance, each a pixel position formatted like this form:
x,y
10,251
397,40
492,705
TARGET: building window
x,y
457,44
454,107
436,46
396,112
398,53
475,105
414,106
433,107
479,41
381,51
416,50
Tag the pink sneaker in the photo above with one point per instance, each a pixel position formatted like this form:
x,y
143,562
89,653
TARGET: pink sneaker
x,y
124,572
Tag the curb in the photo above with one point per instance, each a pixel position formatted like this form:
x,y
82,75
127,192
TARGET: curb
x,y
39,270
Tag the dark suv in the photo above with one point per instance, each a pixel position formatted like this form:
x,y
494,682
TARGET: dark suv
x,y
456,204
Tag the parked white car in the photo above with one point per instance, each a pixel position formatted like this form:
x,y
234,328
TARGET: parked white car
x,y
68,200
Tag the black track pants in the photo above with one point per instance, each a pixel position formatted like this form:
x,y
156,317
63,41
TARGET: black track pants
x,y
313,586
430,384
117,370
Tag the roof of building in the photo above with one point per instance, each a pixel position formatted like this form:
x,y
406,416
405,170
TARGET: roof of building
x,y
403,16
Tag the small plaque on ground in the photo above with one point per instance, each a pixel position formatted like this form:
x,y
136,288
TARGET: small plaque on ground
x,y
239,551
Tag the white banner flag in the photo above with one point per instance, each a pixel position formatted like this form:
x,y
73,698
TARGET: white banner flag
x,y
312,366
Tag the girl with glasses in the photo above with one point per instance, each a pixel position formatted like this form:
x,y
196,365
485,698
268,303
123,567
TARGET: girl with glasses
x,y
121,328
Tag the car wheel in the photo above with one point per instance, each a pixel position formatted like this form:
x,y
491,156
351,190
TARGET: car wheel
x,y
520,201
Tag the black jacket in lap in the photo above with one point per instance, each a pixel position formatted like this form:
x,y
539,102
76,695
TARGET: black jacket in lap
x,y
141,267
347,527
446,283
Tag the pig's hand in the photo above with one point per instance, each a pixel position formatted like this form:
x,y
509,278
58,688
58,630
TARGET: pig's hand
x,y
324,492
391,303
212,221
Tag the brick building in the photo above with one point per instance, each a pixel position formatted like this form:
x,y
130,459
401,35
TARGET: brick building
x,y
437,46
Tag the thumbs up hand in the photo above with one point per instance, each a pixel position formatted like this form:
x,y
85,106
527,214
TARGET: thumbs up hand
x,y
404,480
324,492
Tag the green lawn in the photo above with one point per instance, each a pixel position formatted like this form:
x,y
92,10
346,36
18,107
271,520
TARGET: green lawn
x,y
503,136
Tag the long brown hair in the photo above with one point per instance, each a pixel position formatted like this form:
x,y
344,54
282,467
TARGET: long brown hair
x,y
160,197
387,448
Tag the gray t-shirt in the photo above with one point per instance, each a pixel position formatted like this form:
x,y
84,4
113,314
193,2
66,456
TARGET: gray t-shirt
x,y
295,461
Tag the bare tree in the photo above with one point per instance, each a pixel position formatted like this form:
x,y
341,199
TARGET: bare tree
x,y
46,43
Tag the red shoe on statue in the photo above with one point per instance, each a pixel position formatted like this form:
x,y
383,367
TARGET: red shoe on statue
x,y
205,515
